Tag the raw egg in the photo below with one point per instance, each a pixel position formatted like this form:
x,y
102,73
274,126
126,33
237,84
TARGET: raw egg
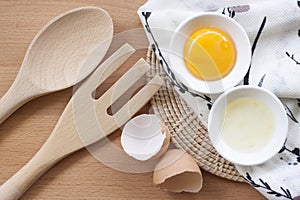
x,y
209,54
248,125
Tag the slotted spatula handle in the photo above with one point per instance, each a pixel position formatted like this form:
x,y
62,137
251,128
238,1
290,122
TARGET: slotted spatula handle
x,y
51,152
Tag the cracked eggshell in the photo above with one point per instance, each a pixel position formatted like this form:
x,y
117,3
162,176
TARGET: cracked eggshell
x,y
145,137
177,172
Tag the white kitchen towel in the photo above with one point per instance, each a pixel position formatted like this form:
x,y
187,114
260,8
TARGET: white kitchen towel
x,y
273,27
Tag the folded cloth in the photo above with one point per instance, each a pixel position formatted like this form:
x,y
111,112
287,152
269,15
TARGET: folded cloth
x,y
273,27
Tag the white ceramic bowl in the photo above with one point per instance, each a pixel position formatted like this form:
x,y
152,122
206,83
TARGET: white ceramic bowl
x,y
216,117
210,20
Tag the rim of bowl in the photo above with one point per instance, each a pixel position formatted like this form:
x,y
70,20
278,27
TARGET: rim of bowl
x,y
238,72
273,150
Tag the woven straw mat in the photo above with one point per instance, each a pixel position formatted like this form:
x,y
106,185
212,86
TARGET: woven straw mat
x,y
187,131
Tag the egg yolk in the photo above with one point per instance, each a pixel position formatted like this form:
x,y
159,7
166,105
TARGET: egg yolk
x,y
209,54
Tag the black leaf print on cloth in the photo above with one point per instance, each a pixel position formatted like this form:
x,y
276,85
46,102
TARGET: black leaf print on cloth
x,y
295,151
261,81
298,102
230,11
182,88
264,185
146,15
292,56
260,30
156,47
206,98
298,3
209,106
290,113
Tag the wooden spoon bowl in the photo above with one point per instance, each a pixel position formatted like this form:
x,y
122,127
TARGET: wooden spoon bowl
x,y
55,56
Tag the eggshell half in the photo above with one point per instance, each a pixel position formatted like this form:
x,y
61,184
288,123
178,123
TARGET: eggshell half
x,y
165,144
145,137
177,172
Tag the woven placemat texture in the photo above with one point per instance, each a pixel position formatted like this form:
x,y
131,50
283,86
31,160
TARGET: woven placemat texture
x,y
187,131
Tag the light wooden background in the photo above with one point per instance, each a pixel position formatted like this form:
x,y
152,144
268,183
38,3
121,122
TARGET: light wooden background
x,y
79,176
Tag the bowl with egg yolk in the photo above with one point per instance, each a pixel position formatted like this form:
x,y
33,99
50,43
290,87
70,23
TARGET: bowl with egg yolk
x,y
209,53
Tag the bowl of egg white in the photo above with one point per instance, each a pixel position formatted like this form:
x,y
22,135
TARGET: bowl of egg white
x,y
247,125
209,53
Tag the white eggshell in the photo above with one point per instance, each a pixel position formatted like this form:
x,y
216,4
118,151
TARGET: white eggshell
x,y
143,137
177,172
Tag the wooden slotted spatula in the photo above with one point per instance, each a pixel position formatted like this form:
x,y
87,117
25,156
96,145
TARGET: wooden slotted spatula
x,y
85,120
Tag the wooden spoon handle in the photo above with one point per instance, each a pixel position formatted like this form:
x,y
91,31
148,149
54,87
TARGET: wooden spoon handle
x,y
17,95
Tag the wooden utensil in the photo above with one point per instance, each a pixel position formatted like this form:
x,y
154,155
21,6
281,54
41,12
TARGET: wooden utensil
x,y
65,138
55,56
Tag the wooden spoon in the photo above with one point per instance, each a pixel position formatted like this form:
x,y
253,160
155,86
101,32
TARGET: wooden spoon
x,y
54,58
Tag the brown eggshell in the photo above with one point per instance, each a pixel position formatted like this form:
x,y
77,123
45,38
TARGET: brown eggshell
x,y
165,145
177,172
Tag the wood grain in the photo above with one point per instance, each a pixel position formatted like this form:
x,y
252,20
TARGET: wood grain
x,y
79,176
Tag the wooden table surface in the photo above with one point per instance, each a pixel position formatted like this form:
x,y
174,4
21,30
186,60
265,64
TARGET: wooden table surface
x,y
80,176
